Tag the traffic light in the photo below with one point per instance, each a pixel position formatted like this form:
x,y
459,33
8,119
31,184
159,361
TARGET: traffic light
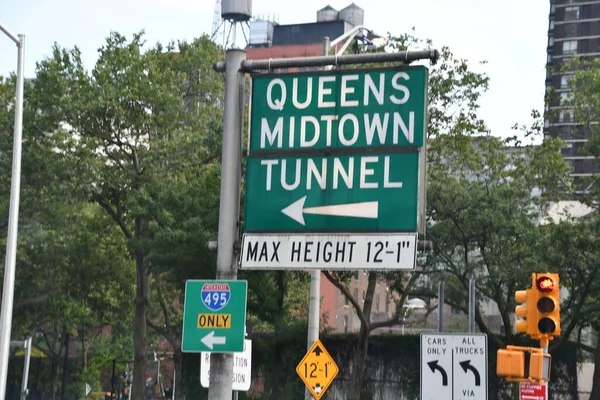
x,y
546,287
527,311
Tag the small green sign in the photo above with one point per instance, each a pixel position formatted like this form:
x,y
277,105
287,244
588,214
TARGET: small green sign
x,y
214,316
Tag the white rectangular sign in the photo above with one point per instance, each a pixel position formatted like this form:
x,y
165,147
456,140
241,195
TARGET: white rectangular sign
x,y
453,366
242,368
369,251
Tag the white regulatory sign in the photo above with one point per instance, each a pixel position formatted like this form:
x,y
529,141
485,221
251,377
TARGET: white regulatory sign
x,y
453,366
242,368
394,251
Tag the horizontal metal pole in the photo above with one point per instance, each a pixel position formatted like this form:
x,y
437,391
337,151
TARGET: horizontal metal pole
x,y
11,35
320,61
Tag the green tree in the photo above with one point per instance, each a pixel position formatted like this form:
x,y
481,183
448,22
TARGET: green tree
x,y
140,123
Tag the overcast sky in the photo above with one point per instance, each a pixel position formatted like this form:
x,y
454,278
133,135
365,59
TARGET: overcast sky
x,y
510,35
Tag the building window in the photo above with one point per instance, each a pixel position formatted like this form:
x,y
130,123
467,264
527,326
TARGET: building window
x,y
564,81
387,302
346,301
377,303
565,116
345,324
549,59
363,295
550,41
356,294
569,46
356,275
551,27
565,97
571,13
584,29
570,30
552,8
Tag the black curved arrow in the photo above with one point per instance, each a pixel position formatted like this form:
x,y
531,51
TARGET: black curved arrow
x,y
467,365
433,365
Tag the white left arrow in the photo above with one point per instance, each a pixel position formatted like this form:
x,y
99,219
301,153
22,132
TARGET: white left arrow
x,y
367,209
210,340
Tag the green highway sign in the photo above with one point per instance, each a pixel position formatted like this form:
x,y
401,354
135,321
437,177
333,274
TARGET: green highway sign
x,y
214,316
337,151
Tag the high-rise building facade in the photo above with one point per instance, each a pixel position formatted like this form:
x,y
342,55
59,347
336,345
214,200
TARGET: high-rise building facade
x,y
574,29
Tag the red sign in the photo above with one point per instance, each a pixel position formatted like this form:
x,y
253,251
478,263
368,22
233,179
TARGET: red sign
x,y
532,391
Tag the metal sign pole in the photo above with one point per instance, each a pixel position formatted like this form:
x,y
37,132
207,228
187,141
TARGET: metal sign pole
x,y
24,383
13,218
221,364
472,305
440,307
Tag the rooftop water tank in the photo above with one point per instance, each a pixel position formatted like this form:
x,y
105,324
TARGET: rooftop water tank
x,y
327,14
261,33
353,14
236,10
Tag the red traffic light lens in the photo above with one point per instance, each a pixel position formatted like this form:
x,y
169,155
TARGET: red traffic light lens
x,y
545,284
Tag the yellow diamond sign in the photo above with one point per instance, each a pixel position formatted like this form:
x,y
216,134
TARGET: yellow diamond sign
x,y
317,369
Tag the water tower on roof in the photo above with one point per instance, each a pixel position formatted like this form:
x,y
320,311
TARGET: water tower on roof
x,y
327,14
353,14
236,10
234,14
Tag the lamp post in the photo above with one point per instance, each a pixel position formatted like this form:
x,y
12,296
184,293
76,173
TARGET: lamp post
x,y
13,217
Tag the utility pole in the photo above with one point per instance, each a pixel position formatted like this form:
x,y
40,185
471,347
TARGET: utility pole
x,y
8,290
221,364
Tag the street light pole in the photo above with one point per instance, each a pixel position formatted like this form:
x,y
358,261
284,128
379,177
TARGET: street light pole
x,y
13,218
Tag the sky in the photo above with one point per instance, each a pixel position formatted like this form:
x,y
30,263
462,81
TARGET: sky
x,y
511,35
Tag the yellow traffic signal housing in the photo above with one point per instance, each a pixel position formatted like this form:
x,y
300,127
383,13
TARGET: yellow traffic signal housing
x,y
527,311
510,363
547,294
539,366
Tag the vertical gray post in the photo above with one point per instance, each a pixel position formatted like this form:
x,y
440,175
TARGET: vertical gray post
x,y
8,290
24,383
314,306
440,308
221,364
472,305
174,382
